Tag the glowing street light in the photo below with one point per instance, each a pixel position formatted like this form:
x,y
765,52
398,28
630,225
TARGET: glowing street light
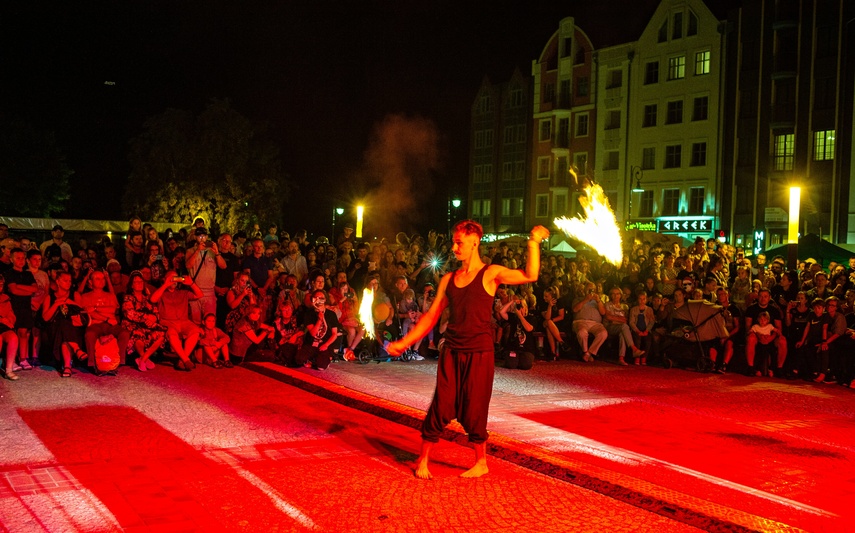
x,y
359,212
336,211
452,202
793,227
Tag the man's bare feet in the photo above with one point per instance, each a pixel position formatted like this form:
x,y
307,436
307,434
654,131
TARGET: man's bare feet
x,y
422,471
478,470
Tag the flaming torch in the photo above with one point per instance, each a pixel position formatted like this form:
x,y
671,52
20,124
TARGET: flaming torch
x,y
366,314
599,228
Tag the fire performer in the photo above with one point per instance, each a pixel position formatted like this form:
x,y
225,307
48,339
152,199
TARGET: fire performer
x,y
464,382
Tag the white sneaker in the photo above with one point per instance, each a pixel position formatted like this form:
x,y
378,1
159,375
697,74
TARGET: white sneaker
x,y
417,357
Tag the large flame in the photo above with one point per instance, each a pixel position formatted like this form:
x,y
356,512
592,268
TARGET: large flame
x,y
598,229
366,314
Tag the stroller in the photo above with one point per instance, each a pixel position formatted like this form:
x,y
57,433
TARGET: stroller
x,y
705,326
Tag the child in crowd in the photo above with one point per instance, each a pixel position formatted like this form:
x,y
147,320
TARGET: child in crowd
x,y
289,334
641,322
214,343
408,306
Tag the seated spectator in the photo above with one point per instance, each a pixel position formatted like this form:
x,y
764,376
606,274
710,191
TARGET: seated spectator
x,y
102,307
835,336
156,262
349,319
239,299
519,347
588,311
797,315
764,304
118,280
214,343
409,308
65,323
641,322
552,317
321,332
289,335
8,337
732,320
763,332
615,321
145,333
174,309
248,334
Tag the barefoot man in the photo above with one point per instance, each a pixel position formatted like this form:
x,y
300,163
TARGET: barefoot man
x,y
464,377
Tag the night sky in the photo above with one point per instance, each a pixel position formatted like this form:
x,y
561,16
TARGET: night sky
x,y
322,75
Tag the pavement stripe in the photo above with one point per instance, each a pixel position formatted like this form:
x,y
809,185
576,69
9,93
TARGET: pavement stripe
x,y
654,498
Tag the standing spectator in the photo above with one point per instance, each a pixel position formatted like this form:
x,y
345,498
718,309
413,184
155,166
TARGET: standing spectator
x,y
272,235
294,262
202,262
225,277
134,251
262,276
56,242
21,286
157,263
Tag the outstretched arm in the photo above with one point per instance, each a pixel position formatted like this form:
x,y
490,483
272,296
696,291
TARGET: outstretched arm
x,y
427,322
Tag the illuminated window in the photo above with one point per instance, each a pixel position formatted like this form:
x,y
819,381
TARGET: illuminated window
x,y
700,108
699,154
541,203
650,113
702,63
677,68
823,145
543,164
784,150
675,112
560,204
670,202
673,156
696,201
545,130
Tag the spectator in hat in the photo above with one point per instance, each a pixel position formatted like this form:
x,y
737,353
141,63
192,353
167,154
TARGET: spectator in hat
x,y
346,235
56,240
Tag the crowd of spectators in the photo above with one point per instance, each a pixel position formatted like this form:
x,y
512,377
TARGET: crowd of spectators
x,y
204,299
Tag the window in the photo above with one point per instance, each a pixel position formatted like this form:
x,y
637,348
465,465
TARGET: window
x,y
699,154
541,206
564,93
677,68
700,108
677,31
645,208
560,204
508,170
823,145
521,133
479,138
673,155
545,130
784,149
580,161
670,202
702,63
543,164
675,112
663,32
568,47
506,207
548,93
563,132
651,72
824,92
693,25
650,114
488,173
516,97
648,158
582,83
612,161
478,174
582,125
613,120
476,208
509,134
696,201
484,103
519,172
486,208
615,79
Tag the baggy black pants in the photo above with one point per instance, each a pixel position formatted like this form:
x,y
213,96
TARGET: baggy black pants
x,y
464,385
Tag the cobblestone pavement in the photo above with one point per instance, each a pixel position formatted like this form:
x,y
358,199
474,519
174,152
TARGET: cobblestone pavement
x,y
758,453
233,450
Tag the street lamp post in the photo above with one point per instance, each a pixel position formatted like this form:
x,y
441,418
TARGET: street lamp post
x,y
793,228
636,173
337,211
452,202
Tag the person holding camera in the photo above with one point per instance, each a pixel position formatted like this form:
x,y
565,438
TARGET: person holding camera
x,y
520,346
202,262
239,299
173,306
588,312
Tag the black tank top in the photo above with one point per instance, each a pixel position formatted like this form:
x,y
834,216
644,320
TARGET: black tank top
x,y
469,320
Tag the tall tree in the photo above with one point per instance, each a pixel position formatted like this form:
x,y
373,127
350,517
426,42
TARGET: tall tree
x,y
216,165
33,172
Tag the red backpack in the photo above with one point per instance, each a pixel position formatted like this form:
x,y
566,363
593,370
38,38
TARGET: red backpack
x,y
107,354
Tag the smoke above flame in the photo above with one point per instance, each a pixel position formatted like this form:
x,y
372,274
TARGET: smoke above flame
x,y
599,228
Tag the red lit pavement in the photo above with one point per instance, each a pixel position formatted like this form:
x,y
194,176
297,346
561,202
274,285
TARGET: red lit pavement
x,y
234,450
717,452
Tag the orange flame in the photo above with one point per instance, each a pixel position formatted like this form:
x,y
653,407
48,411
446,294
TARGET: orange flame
x,y
599,228
366,314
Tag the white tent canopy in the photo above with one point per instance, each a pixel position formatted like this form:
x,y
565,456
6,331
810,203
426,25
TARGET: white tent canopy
x,y
78,225
564,249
